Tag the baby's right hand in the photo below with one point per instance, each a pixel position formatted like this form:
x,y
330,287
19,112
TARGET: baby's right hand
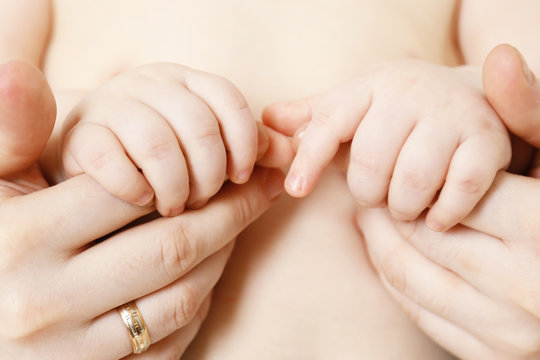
x,y
163,130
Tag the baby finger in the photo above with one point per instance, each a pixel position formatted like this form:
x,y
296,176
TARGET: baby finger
x,y
95,150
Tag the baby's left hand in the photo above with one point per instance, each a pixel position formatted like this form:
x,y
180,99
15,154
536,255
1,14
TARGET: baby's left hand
x,y
416,128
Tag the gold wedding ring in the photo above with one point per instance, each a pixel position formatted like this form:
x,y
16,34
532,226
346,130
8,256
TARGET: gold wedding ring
x,y
138,333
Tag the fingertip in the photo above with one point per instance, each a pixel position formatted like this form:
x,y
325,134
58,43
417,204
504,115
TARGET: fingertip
x,y
175,212
435,225
296,185
510,88
27,115
145,199
240,177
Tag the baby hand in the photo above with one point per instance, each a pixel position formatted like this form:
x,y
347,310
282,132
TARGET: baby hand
x,y
162,129
416,129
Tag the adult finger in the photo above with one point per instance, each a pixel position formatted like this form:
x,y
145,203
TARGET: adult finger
x,y
174,345
484,261
166,310
511,89
165,249
441,291
63,210
512,202
448,335
27,115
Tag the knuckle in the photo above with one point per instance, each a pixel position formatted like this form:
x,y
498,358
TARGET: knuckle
x,y
366,165
243,211
179,250
321,116
186,305
235,100
24,315
157,149
415,180
208,136
99,160
366,179
470,185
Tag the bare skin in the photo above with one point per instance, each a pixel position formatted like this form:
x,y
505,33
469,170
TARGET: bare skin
x,y
299,284
308,282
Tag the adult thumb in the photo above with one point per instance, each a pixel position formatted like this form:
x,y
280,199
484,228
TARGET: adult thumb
x,y
512,90
27,115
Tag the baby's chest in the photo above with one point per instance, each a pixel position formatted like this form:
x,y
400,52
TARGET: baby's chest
x,y
292,47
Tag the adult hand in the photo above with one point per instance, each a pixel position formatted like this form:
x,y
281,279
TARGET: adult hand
x,y
60,288
475,289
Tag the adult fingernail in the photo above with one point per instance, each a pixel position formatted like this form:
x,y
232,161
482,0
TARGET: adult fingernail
x,y
274,183
146,198
529,76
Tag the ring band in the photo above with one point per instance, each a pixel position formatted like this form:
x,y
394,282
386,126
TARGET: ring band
x,y
138,333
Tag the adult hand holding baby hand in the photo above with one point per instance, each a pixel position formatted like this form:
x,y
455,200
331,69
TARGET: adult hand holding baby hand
x,y
60,289
163,129
475,290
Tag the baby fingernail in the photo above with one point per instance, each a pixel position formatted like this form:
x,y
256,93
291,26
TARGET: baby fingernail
x,y
242,176
146,198
435,226
274,183
176,211
294,183
197,204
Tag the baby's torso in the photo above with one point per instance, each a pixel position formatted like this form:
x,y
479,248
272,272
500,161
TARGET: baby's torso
x,y
271,50
298,285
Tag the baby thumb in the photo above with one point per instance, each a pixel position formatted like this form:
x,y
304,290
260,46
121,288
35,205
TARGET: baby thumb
x,y
511,88
27,115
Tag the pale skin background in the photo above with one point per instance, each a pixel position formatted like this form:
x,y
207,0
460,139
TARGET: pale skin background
x,y
298,282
